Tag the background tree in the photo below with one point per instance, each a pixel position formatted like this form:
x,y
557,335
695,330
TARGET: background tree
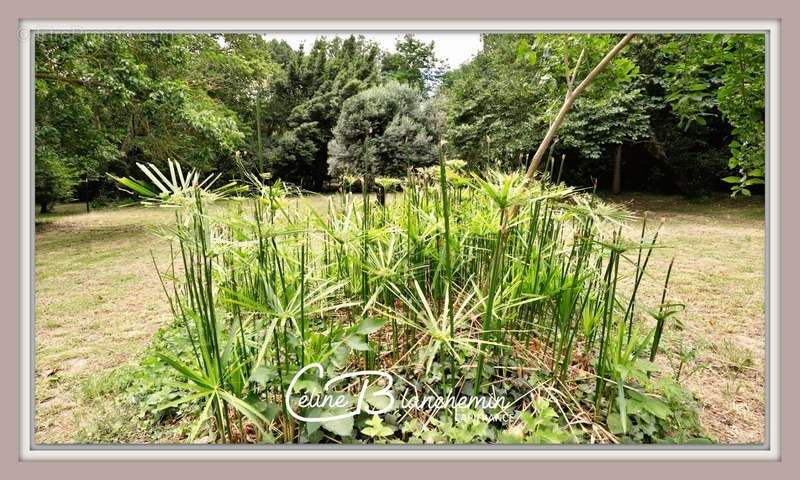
x,y
414,63
686,110
495,104
396,125
104,102
239,72
690,161
317,84
609,117
73,135
501,104
55,175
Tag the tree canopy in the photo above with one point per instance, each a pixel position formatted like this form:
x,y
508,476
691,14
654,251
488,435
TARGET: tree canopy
x,y
414,63
688,109
672,99
106,101
312,93
716,74
384,131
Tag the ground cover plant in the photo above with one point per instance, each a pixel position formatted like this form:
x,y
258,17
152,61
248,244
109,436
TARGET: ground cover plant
x,y
425,285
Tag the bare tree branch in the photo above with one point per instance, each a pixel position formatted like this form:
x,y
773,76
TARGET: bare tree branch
x,y
568,102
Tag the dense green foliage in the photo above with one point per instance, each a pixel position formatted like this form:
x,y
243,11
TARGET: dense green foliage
x,y
307,103
387,129
662,99
688,109
502,102
723,74
106,101
414,63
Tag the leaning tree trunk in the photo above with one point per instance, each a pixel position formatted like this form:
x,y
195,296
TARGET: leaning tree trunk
x,y
616,183
572,95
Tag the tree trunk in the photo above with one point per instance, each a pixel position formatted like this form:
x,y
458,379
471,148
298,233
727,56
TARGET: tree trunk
x,y
568,101
382,196
88,199
259,146
616,184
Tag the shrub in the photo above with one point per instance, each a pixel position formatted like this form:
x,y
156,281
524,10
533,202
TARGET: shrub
x,y
389,125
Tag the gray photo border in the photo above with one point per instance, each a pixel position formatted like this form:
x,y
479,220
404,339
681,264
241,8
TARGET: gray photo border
x,y
767,451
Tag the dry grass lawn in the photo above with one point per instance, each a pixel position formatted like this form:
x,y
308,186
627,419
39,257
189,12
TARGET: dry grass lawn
x,y
98,304
719,274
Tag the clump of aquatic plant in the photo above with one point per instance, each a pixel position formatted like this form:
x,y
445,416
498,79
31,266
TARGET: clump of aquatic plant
x,y
461,284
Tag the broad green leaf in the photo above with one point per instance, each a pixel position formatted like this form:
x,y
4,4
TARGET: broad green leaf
x,y
342,427
615,424
262,375
357,342
376,428
311,386
370,325
312,427
656,407
380,401
268,409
